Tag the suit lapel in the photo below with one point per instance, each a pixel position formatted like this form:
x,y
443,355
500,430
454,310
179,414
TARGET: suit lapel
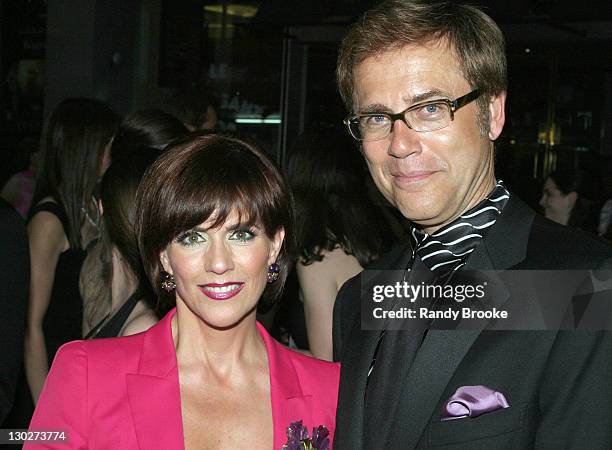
x,y
442,351
356,361
289,402
154,393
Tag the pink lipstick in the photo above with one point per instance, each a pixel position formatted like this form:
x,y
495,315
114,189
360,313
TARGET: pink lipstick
x,y
221,291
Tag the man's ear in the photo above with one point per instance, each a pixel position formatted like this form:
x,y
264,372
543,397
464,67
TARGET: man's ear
x,y
277,243
165,261
497,114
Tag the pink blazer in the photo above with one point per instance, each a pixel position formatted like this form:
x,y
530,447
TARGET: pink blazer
x,y
123,393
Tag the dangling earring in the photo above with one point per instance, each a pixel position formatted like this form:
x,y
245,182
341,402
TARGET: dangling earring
x,y
167,281
273,271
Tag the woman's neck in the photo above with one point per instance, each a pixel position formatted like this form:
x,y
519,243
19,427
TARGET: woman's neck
x,y
220,351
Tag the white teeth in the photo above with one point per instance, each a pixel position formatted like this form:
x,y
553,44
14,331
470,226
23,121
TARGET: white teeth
x,y
222,289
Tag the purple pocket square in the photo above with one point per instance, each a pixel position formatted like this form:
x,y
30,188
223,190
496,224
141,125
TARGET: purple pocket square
x,y
472,401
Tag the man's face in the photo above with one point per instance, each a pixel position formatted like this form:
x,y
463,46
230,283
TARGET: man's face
x,y
431,177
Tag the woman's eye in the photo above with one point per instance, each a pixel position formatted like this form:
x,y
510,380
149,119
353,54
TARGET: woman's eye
x,y
241,235
190,238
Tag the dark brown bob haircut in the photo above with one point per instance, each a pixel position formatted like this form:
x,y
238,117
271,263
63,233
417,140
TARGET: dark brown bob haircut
x,y
202,175
473,36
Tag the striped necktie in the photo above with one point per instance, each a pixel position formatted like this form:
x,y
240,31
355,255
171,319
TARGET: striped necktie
x,y
448,248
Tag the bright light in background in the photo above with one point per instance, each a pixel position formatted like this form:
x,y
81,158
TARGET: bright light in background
x,y
255,119
234,9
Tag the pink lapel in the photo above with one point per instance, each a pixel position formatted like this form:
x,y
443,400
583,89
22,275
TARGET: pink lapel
x,y
155,399
289,402
154,394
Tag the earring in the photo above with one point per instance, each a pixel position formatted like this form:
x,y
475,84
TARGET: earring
x,y
167,281
273,271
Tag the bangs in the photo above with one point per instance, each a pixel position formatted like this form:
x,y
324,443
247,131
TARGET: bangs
x,y
212,185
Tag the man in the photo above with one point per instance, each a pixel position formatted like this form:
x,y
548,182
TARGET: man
x,y
425,86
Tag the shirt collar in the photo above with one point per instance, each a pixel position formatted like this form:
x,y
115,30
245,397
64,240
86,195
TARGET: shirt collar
x,y
449,247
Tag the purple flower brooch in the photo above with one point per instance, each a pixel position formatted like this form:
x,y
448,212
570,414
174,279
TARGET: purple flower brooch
x,y
298,439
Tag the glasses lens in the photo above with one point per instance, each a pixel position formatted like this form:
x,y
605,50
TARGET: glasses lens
x,y
352,124
429,116
369,127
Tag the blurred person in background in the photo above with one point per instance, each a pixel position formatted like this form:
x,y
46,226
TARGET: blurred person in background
x,y
63,222
340,229
103,278
194,107
151,128
19,189
116,296
564,201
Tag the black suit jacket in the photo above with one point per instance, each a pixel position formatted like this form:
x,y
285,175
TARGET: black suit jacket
x,y
15,273
557,382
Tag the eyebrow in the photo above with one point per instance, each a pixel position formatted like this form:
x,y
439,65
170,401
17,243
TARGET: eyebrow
x,y
232,227
413,100
424,96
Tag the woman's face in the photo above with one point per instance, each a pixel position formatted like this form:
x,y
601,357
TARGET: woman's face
x,y
557,206
220,273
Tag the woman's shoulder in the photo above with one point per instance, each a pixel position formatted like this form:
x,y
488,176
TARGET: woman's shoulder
x,y
142,320
119,350
337,265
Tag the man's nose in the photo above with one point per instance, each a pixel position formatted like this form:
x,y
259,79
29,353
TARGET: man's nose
x,y
404,140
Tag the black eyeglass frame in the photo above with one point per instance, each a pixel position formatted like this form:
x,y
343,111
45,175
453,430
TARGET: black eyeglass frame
x,y
453,105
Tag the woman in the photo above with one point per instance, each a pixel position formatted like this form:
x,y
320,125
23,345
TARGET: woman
x,y
62,223
151,128
340,229
116,268
215,232
563,201
139,140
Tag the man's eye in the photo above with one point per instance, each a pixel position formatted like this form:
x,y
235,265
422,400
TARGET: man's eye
x,y
190,238
241,235
375,121
431,111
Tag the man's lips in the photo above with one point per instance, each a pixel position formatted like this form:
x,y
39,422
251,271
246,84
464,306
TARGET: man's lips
x,y
412,176
221,291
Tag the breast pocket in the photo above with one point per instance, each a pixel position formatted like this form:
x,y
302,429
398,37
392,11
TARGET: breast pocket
x,y
500,429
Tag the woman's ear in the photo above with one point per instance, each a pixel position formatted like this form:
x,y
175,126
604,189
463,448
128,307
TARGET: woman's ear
x,y
165,261
277,244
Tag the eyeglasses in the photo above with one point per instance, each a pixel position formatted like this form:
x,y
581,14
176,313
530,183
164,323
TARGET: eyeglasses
x,y
426,116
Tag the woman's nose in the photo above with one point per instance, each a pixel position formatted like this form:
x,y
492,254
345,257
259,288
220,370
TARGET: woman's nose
x,y
218,258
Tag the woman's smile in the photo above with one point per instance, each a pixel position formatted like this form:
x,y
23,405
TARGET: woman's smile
x,y
221,291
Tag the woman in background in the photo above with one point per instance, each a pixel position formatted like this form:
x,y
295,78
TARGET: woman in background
x,y
215,231
62,224
152,128
564,201
129,307
105,281
340,229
